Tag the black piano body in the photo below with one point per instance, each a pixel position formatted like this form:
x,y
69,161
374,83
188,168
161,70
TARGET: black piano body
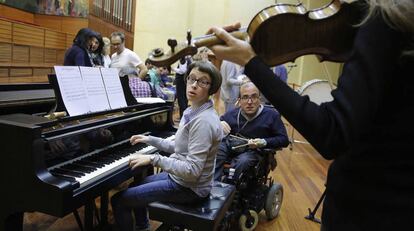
x,y
28,98
36,150
42,159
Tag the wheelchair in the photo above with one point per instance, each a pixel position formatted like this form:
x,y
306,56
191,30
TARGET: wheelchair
x,y
255,191
233,204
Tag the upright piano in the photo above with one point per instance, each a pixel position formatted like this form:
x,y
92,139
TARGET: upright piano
x,y
55,166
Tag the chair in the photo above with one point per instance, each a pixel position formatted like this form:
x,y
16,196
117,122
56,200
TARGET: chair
x,y
204,216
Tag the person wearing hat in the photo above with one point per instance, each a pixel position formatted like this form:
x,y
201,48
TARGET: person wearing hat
x,y
187,175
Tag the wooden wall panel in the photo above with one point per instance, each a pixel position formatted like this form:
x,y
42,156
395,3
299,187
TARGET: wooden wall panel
x,y
20,54
30,45
55,39
72,25
40,79
28,35
60,56
69,40
37,55
4,72
21,72
28,79
5,31
16,14
50,56
64,24
6,53
48,21
42,71
4,80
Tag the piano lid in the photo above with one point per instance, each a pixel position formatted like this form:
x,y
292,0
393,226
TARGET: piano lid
x,y
52,129
26,98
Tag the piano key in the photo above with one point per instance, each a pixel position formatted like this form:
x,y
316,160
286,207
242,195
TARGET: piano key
x,y
118,164
85,164
94,163
66,168
66,172
80,168
66,177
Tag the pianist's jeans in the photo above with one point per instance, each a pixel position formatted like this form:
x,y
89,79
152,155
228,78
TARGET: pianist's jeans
x,y
159,187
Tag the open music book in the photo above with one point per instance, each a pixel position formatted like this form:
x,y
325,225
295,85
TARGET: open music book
x,y
89,89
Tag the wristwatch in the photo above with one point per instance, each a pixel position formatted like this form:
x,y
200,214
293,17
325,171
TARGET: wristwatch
x,y
152,157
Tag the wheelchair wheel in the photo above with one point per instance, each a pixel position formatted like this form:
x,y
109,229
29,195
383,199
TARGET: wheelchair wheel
x,y
249,223
274,200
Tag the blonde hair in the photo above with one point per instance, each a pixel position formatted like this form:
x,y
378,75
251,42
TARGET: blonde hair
x,y
106,48
399,14
106,40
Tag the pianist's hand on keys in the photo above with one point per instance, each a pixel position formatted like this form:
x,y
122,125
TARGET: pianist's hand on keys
x,y
138,139
139,160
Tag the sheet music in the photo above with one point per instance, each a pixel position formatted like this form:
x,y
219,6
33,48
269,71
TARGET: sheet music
x,y
97,98
72,90
113,87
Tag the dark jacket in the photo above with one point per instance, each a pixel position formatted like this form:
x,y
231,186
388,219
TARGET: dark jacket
x,y
267,125
367,129
77,56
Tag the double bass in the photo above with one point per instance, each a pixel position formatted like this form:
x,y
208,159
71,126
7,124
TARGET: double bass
x,y
282,32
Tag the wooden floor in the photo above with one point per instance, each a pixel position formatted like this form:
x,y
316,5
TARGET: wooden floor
x,y
301,171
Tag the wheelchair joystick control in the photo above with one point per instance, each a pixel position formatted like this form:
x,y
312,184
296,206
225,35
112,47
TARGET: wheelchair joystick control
x,y
231,173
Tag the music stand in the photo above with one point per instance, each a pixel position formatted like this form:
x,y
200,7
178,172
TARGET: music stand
x,y
60,105
130,99
312,213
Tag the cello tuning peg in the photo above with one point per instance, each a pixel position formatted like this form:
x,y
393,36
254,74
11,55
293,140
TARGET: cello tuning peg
x,y
172,43
189,37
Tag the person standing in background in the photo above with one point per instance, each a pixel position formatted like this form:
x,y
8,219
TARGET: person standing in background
x,y
124,57
230,86
180,71
95,50
106,51
129,64
78,53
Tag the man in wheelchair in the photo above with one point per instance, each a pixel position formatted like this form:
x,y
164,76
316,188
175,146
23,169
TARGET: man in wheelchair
x,y
253,134
248,128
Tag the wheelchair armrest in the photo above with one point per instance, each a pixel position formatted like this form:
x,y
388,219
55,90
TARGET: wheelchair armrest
x,y
269,154
267,151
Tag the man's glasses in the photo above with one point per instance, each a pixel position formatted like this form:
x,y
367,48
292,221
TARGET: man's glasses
x,y
200,82
254,98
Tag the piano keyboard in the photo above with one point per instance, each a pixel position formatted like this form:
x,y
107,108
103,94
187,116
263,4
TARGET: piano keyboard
x,y
90,168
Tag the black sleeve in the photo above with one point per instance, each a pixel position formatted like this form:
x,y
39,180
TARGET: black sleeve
x,y
333,127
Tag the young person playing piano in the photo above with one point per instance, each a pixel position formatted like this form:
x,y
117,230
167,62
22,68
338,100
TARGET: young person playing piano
x,y
187,174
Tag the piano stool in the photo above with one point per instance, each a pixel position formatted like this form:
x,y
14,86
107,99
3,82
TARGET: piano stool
x,y
203,216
